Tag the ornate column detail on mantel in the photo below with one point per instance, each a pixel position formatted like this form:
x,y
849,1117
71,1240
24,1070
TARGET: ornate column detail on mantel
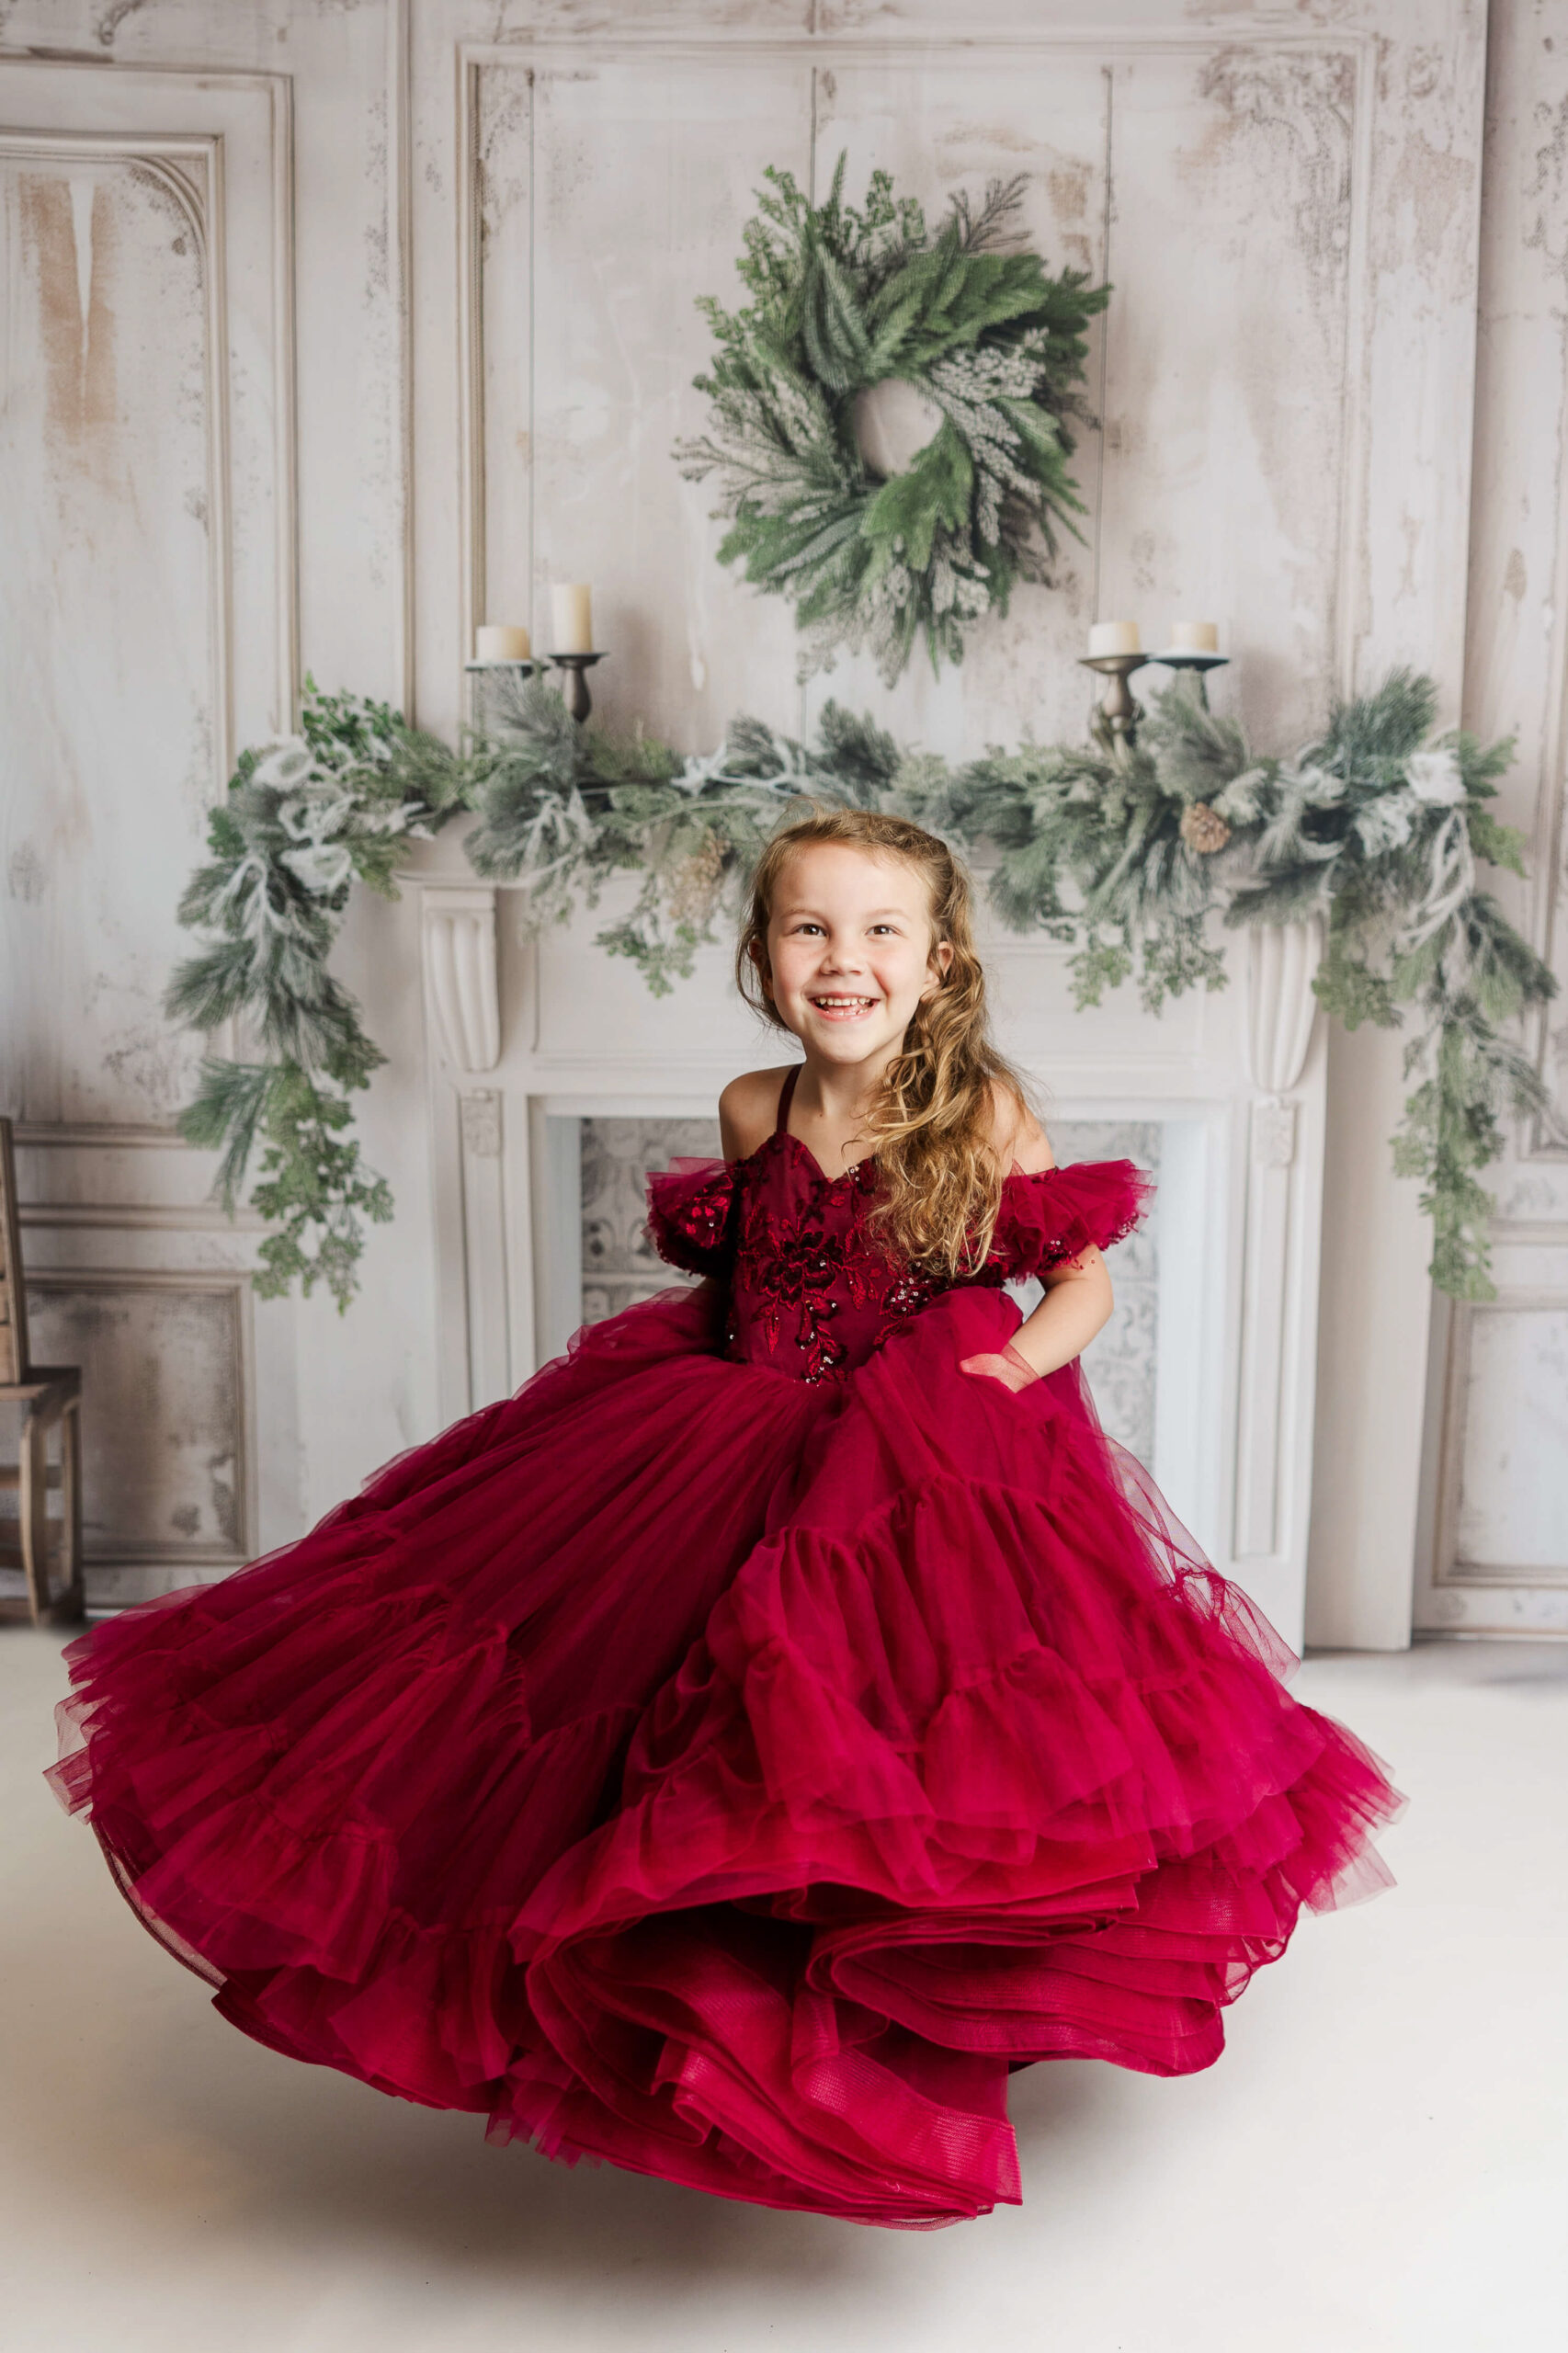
x,y
1281,965
1281,961
458,938
458,928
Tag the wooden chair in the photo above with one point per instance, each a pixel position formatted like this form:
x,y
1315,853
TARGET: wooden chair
x,y
50,1400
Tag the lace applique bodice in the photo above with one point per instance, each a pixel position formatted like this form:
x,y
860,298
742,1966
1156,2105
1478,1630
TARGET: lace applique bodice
x,y
812,1288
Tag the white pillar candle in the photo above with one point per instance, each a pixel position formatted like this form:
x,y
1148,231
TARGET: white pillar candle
x,y
1115,637
571,619
495,642
1195,637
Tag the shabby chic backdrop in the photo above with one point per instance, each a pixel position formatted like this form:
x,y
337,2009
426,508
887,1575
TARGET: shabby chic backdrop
x,y
338,333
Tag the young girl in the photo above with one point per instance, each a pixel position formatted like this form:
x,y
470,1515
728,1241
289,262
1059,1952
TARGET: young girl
x,y
734,1753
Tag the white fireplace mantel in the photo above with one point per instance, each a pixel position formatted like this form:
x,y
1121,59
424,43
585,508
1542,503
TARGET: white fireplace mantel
x,y
529,1032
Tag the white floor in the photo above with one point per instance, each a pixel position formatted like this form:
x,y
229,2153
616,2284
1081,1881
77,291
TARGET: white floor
x,y
1379,2162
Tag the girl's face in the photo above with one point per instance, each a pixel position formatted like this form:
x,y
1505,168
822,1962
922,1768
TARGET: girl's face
x,y
850,951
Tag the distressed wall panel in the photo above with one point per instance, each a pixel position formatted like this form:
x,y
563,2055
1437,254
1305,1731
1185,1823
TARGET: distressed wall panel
x,y
603,197
1224,401
627,165
165,1418
1281,206
940,125
110,459
1498,1506
151,623
1514,1481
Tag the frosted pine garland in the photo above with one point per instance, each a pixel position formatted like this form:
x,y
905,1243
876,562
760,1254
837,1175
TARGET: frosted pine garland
x,y
1378,826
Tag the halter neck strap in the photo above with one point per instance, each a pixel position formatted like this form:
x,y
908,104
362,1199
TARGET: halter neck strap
x,y
785,1095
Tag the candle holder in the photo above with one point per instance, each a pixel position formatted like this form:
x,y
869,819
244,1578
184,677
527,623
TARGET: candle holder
x,y
1179,658
575,693
1117,714
494,690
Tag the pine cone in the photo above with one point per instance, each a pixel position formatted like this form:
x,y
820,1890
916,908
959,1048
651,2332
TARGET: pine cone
x,y
1202,829
694,887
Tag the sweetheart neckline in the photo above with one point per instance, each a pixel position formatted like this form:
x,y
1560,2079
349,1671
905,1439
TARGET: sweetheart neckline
x,y
1015,1174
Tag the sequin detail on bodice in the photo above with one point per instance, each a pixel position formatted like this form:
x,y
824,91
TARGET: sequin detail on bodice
x,y
812,1286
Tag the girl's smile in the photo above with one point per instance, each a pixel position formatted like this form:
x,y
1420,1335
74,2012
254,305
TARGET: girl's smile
x,y
843,1008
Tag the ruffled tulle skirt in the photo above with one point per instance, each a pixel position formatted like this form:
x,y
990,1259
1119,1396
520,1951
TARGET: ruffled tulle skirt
x,y
728,1777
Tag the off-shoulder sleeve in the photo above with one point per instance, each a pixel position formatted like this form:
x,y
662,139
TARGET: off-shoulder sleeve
x,y
691,1207
1054,1214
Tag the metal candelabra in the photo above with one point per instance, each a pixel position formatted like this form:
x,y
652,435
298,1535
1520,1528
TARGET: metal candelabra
x,y
575,692
1118,711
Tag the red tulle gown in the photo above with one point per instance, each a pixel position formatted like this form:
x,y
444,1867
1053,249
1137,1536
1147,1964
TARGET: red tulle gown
x,y
734,1755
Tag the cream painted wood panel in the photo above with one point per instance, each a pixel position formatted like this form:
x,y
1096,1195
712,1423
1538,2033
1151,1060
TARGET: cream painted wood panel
x,y
239,513
500,213
609,193
1513,1492
167,1361
147,456
1498,1506
110,472
1235,222
940,123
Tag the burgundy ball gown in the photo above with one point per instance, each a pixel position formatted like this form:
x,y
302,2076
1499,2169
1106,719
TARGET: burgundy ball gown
x,y
734,1753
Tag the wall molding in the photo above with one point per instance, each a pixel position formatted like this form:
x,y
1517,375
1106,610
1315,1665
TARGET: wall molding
x,y
529,53
193,166
1490,1597
1538,1141
141,1217
190,170
140,1553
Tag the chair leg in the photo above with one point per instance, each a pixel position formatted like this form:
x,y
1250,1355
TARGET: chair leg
x,y
32,1501
72,1599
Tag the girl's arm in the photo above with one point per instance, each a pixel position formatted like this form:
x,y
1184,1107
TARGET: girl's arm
x,y
1077,1303
1078,1295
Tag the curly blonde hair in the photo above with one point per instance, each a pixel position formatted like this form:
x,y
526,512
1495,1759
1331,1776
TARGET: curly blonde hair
x,y
931,1122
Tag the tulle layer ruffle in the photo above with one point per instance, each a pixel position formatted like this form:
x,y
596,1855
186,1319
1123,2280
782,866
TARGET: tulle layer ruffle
x,y
731,1778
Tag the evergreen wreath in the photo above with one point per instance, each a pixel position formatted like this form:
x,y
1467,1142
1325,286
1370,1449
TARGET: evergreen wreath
x,y
843,300
1378,826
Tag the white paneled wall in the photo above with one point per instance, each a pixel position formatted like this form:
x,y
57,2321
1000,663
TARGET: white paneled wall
x,y
1495,1554
425,349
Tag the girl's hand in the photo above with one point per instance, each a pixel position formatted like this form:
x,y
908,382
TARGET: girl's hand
x,y
1012,1370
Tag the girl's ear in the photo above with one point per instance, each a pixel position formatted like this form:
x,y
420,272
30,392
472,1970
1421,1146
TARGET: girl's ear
x,y
759,958
942,959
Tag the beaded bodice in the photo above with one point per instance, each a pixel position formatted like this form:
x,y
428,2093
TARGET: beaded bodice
x,y
811,1286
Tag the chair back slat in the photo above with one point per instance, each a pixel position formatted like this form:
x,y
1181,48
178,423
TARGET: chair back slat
x,y
15,1362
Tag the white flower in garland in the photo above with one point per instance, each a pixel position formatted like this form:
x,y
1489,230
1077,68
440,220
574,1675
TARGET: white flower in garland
x,y
284,765
1435,776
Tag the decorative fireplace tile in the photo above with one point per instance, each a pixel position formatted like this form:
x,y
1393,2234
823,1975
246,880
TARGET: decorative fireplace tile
x,y
618,1263
1121,1362
618,1266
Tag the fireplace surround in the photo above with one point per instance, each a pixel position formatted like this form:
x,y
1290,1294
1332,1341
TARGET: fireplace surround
x,y
557,1078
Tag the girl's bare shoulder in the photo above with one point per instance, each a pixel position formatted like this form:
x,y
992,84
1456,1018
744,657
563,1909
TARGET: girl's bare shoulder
x,y
1016,1137
749,1109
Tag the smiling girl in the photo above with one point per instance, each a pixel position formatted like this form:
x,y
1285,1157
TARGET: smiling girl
x,y
859,940
736,1754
